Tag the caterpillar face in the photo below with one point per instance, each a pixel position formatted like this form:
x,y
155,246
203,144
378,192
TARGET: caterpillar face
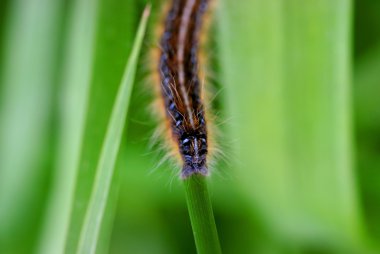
x,y
194,152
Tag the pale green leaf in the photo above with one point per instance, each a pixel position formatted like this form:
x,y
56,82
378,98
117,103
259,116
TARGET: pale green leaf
x,y
76,78
104,172
286,69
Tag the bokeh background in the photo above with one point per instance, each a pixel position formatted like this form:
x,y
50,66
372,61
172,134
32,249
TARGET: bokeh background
x,y
296,87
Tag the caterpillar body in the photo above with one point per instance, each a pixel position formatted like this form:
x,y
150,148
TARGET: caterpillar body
x,y
181,88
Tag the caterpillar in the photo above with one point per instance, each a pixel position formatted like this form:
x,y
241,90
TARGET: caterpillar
x,y
180,87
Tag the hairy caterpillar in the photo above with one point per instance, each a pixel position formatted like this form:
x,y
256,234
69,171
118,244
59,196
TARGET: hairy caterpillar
x,y
180,86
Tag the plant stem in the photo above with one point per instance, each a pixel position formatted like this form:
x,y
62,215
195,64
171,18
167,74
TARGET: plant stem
x,y
201,215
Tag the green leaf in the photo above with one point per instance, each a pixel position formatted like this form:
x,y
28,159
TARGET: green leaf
x,y
367,116
286,69
201,215
76,78
366,87
115,32
104,172
29,68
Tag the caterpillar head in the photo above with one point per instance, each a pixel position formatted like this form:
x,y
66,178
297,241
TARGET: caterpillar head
x,y
194,154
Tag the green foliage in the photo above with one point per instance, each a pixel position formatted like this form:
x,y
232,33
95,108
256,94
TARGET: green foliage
x,y
201,215
292,115
28,76
302,166
104,172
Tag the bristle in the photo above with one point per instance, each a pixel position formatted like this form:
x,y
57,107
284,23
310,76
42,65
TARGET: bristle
x,y
181,97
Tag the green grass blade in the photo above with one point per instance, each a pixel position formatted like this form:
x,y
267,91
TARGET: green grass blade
x,y
201,215
93,219
115,31
76,78
29,67
367,126
366,87
288,87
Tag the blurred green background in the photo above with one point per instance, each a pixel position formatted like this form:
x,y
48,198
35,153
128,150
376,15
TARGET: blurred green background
x,y
296,88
